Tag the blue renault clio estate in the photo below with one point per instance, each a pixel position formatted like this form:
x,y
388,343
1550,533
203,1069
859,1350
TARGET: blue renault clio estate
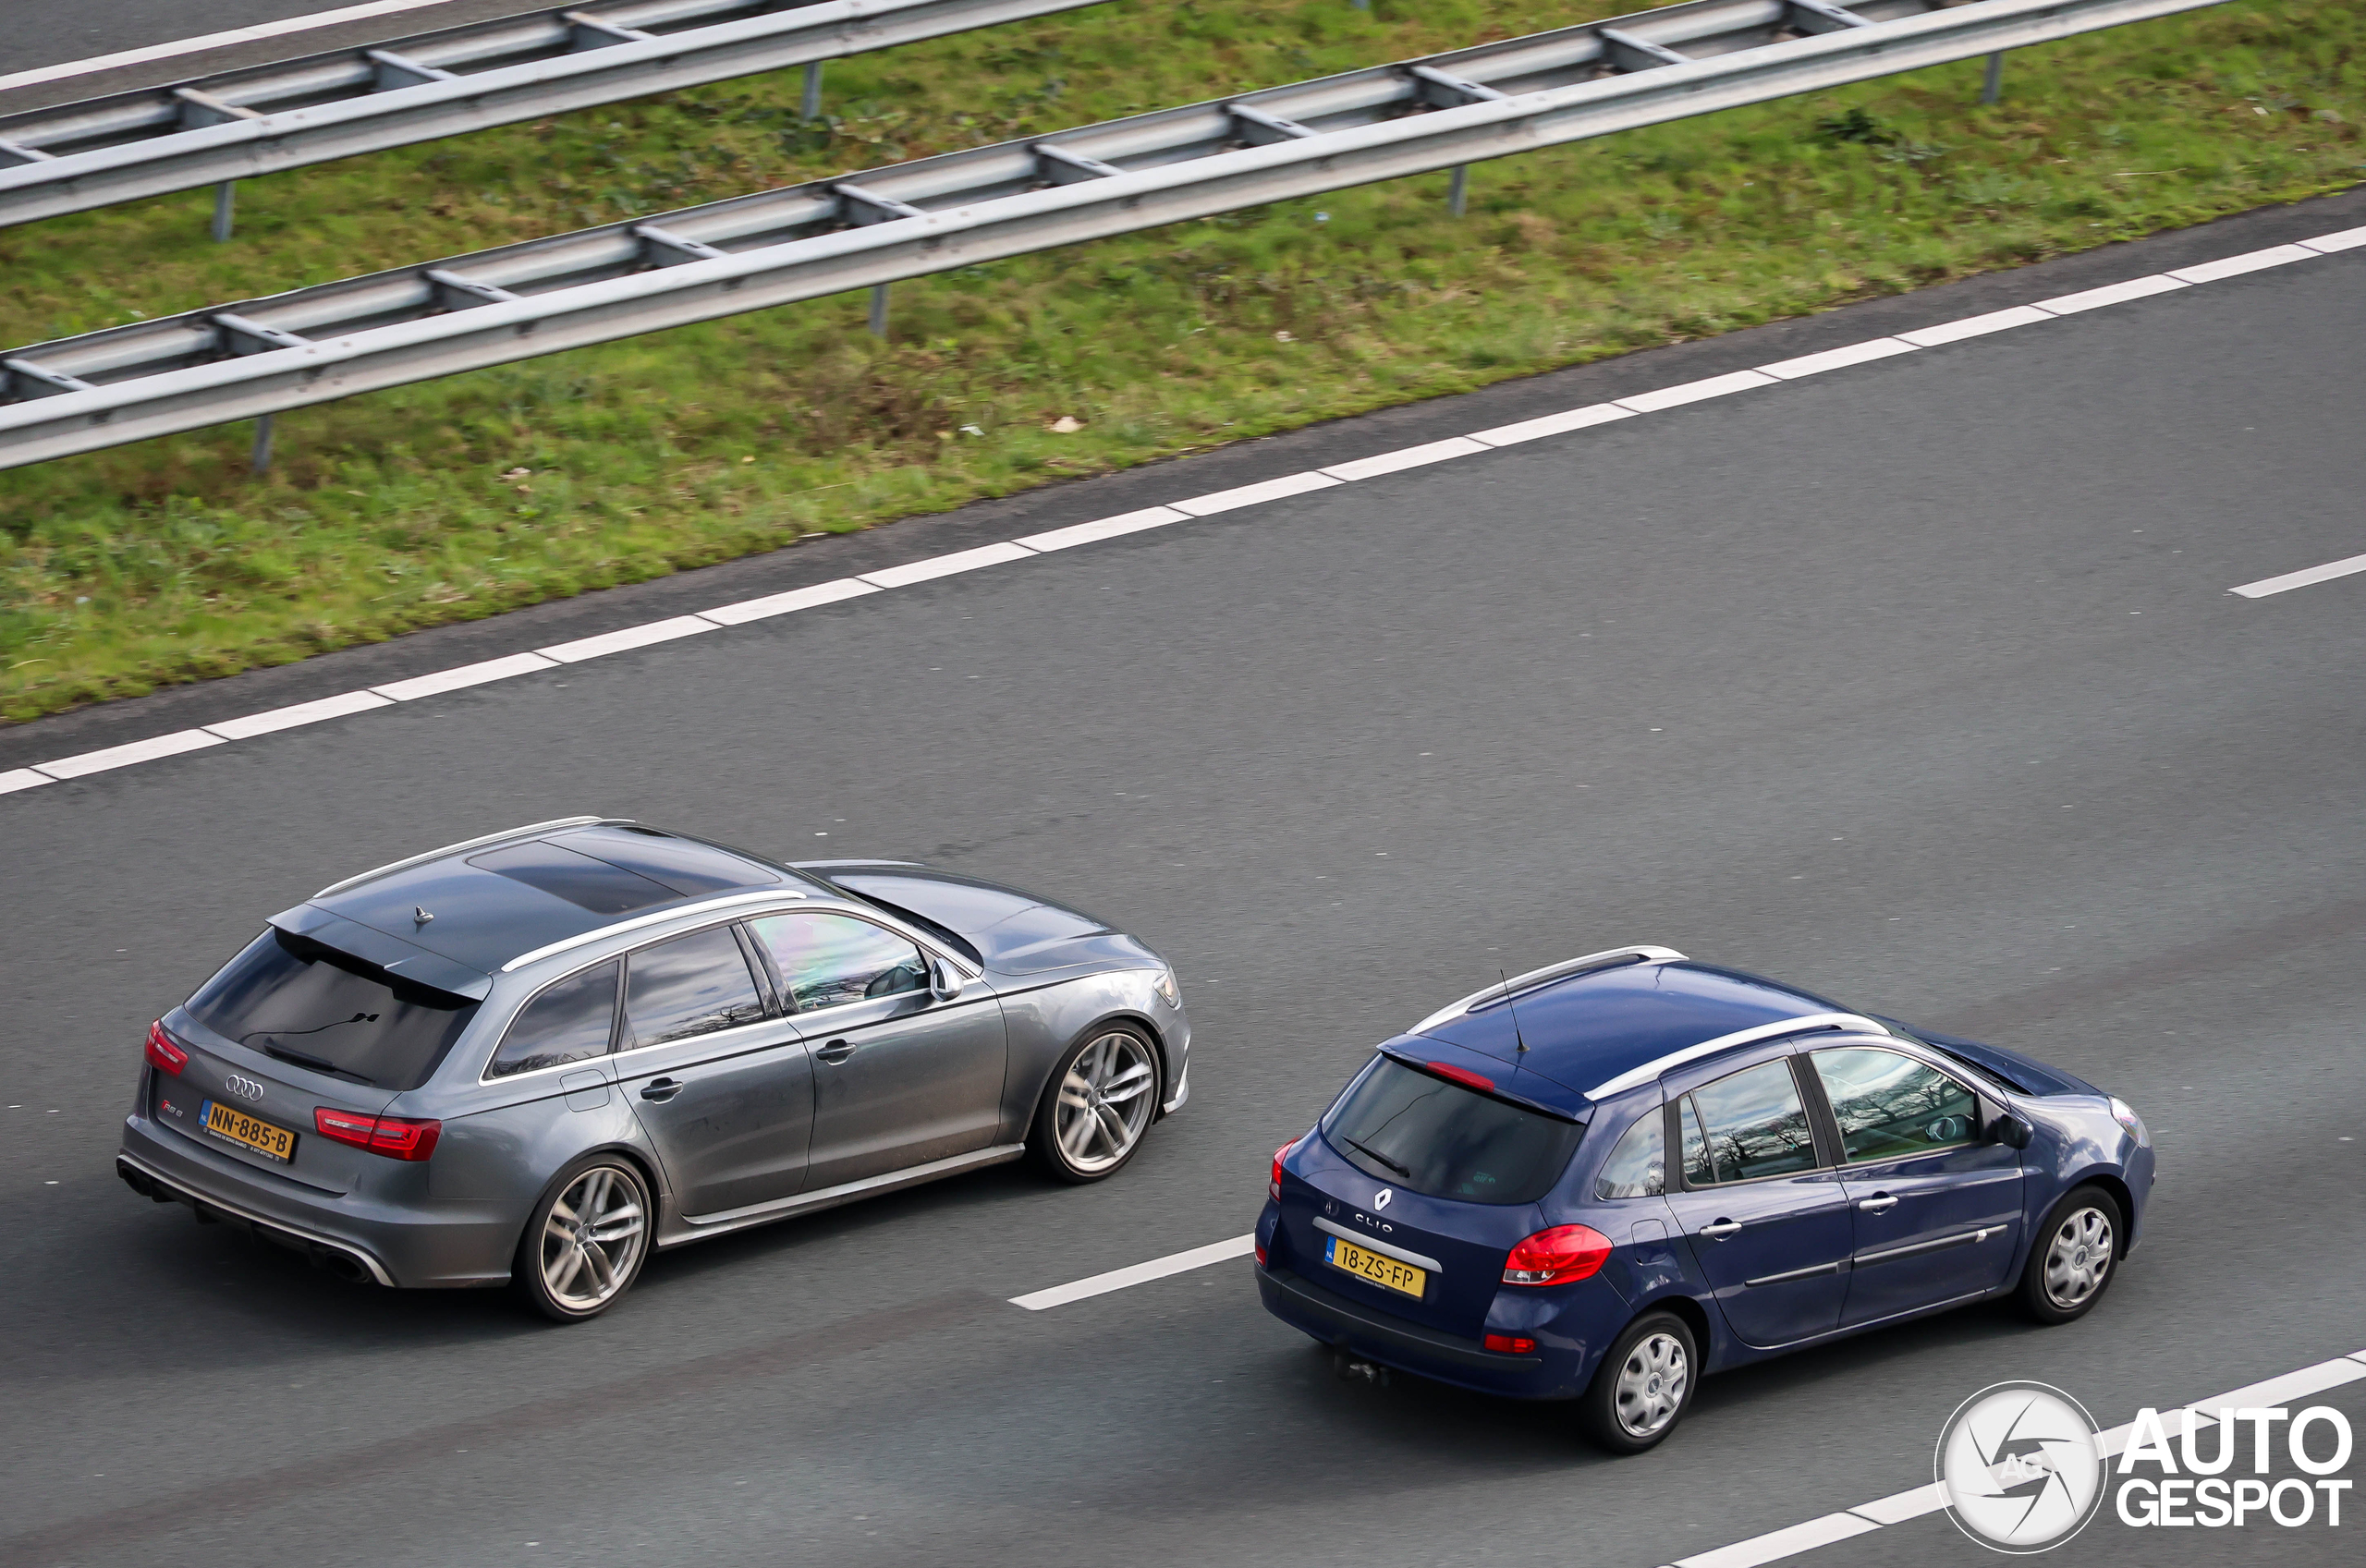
x,y
1491,1201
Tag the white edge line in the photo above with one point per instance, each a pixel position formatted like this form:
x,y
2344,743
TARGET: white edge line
x,y
945,566
463,676
212,40
1775,1545
2301,578
1898,1507
1140,1273
289,717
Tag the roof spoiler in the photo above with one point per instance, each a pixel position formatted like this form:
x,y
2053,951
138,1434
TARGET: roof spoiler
x,y
391,954
1519,985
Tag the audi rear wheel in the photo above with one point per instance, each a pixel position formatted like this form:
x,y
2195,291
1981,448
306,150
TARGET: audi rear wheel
x,y
586,1241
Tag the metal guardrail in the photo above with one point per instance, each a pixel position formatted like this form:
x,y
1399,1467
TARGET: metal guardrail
x,y
234,124
252,358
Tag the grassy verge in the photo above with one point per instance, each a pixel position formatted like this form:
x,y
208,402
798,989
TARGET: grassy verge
x,y
456,499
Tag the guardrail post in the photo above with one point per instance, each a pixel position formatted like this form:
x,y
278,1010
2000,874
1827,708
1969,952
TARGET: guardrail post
x,y
1458,190
226,200
1994,86
259,458
810,107
879,309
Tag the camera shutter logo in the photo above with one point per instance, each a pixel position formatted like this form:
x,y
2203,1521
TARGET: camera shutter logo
x,y
2023,1466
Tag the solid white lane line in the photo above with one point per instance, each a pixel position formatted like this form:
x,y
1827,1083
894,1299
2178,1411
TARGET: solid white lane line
x,y
1142,1273
298,713
466,675
629,639
1104,528
945,566
784,603
1694,391
124,756
2110,293
1552,424
2301,578
1839,358
2236,266
1405,458
1777,1545
1974,326
1208,505
1898,1507
462,677
211,40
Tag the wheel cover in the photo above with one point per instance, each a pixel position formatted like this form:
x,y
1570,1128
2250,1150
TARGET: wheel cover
x,y
1651,1380
2078,1259
592,1238
1105,1101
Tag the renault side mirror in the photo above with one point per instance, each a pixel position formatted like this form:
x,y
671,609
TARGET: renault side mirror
x,y
2010,1131
944,981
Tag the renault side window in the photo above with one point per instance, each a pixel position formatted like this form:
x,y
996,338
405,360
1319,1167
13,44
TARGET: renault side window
x,y
1638,1167
1755,1124
1890,1106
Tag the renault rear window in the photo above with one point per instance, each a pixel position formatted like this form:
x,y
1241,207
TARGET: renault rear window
x,y
301,1002
1411,1130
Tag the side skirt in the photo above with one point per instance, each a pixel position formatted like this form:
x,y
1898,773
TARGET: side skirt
x,y
700,1226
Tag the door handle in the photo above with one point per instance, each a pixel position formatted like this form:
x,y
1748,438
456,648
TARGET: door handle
x,y
837,1051
1881,1202
661,1089
1721,1229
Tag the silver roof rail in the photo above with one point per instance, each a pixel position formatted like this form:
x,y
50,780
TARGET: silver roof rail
x,y
1502,989
392,866
1854,1022
726,901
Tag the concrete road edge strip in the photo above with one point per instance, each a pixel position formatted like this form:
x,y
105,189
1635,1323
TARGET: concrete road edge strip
x,y
1376,466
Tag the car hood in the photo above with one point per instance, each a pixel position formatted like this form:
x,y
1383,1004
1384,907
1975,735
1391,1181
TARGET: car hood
x,y
1008,930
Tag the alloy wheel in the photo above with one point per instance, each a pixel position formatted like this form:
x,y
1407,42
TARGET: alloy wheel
x,y
592,1238
2078,1258
1105,1101
1651,1384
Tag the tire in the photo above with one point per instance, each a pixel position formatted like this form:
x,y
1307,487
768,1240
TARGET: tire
x,y
1100,1102
570,1266
1643,1386
2065,1277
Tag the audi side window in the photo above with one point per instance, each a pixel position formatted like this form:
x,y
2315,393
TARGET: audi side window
x,y
1890,1106
1755,1124
829,960
1638,1167
692,984
570,1021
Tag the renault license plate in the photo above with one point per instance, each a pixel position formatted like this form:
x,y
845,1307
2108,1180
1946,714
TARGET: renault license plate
x,y
1366,1264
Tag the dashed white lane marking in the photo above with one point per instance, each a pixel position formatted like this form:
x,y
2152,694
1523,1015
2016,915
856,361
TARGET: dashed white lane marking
x,y
211,40
1140,1273
1373,467
2301,578
1775,1545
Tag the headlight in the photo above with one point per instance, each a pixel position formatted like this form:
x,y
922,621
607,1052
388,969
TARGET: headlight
x,y
2124,1114
1164,985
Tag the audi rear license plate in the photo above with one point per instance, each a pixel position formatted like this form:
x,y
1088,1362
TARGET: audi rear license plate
x,y
1366,1264
271,1141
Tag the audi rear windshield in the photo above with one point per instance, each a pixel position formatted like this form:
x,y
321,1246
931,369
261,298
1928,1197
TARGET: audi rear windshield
x,y
1411,1130
299,1001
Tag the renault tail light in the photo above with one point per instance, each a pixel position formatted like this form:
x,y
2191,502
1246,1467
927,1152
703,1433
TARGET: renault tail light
x,y
1558,1256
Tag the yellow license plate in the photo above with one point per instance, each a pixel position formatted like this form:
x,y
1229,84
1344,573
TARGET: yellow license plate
x,y
248,1132
1366,1264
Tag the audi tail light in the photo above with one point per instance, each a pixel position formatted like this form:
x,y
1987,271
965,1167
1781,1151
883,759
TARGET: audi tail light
x,y
1510,1344
164,1052
397,1138
1558,1256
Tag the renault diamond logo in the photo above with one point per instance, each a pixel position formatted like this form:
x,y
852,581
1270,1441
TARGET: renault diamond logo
x,y
1382,1201
245,1089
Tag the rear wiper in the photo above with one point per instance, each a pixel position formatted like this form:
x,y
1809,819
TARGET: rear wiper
x,y
1400,1169
318,1065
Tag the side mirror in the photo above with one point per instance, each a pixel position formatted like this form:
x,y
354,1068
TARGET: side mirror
x,y
944,981
2010,1131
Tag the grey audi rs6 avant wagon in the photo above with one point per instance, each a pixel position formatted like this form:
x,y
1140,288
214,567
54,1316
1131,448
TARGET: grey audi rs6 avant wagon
x,y
533,1057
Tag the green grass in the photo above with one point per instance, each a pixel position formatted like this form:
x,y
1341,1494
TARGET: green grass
x,y
168,562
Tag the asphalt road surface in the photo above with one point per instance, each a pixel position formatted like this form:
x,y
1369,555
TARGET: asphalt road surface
x,y
1917,684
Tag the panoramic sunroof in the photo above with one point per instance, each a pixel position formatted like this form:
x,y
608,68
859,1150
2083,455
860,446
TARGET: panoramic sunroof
x,y
589,883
